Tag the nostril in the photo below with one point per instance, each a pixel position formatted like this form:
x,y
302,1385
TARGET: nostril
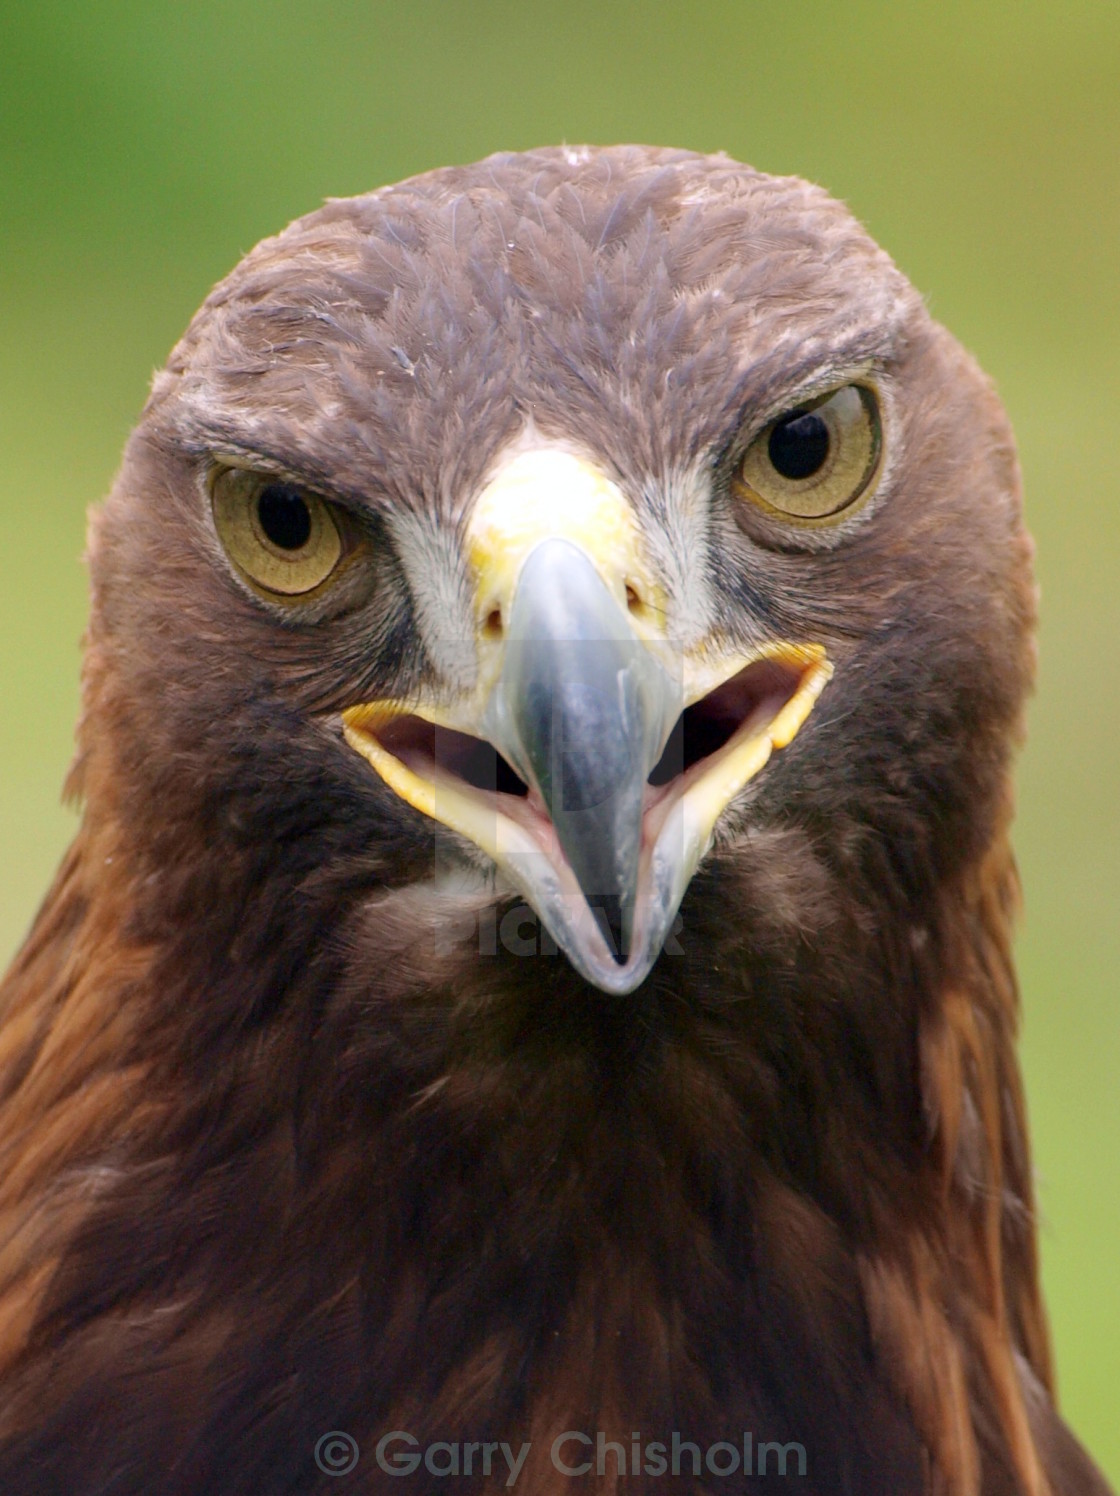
x,y
493,626
633,599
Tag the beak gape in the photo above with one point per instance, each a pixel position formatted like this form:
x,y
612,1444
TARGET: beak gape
x,y
592,759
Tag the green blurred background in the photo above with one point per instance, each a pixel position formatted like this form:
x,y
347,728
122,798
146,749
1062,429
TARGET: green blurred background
x,y
144,148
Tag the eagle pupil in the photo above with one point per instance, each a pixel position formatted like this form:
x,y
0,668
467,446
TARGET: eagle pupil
x,y
798,445
284,516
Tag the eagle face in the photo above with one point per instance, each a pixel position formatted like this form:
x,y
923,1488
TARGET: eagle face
x,y
542,528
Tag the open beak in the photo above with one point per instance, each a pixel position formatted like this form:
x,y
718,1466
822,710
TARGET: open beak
x,y
592,759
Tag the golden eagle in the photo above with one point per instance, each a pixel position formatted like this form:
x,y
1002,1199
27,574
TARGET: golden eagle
x,y
535,962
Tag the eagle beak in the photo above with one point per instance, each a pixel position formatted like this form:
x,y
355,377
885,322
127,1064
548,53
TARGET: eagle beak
x,y
593,759
582,711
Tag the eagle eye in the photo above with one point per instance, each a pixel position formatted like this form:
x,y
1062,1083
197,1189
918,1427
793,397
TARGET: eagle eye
x,y
282,539
816,460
